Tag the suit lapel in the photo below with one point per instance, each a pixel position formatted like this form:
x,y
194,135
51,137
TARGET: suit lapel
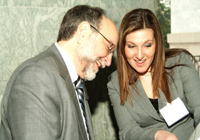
x,y
88,114
143,101
162,101
85,92
65,75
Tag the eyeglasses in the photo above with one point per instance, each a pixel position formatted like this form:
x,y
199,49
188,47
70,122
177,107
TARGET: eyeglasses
x,y
111,49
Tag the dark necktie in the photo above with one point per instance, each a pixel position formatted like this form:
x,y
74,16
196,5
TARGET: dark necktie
x,y
79,89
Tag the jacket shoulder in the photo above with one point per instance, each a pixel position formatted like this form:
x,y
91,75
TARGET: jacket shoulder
x,y
181,58
113,76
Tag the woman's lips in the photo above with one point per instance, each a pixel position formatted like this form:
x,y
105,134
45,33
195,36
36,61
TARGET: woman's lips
x,y
140,63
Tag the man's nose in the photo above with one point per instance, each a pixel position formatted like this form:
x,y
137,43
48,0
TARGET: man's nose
x,y
108,59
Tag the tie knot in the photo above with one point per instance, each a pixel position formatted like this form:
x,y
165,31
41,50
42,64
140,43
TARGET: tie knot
x,y
78,83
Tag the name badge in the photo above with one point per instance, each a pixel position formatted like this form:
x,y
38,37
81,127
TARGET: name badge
x,y
174,112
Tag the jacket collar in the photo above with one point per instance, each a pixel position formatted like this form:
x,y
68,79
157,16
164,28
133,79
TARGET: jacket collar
x,y
65,75
144,102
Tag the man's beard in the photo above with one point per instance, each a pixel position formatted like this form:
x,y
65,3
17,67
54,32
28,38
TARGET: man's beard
x,y
90,72
87,56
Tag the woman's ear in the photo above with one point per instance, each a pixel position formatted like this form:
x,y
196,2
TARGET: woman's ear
x,y
83,31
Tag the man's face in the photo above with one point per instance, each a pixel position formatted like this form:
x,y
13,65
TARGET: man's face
x,y
95,52
86,53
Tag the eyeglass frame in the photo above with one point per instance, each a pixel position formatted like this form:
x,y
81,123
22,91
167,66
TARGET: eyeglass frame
x,y
112,46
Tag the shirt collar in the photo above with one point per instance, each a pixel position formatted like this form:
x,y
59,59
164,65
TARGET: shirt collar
x,y
69,63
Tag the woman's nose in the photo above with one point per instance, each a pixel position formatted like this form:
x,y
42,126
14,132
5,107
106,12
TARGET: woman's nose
x,y
140,54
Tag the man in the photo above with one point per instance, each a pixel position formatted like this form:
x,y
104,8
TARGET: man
x,y
41,101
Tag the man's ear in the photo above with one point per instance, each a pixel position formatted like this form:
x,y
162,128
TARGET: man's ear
x,y
83,31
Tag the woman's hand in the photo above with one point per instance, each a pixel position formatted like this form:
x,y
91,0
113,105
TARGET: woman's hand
x,y
165,135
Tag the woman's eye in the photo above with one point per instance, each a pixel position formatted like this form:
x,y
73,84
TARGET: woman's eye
x,y
148,45
131,46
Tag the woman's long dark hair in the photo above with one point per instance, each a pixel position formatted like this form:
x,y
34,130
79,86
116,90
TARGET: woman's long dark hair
x,y
135,20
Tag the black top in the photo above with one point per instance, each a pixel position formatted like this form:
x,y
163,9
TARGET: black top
x,y
154,103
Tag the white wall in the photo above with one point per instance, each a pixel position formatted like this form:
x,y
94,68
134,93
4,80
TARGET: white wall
x,y
185,25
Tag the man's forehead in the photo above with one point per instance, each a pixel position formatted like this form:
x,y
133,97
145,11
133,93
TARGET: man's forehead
x,y
109,29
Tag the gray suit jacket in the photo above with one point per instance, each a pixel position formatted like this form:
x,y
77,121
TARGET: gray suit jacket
x,y
40,102
141,121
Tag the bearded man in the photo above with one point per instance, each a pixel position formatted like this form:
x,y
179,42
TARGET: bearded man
x,y
43,99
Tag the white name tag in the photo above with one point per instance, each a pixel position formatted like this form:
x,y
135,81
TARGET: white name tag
x,y
174,112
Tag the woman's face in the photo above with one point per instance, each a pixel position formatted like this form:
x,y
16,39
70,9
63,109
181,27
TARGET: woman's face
x,y
140,49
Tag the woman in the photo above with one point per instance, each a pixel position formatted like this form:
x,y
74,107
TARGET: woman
x,y
148,78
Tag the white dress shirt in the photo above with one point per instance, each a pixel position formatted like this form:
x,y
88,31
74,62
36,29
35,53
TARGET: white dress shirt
x,y
73,74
